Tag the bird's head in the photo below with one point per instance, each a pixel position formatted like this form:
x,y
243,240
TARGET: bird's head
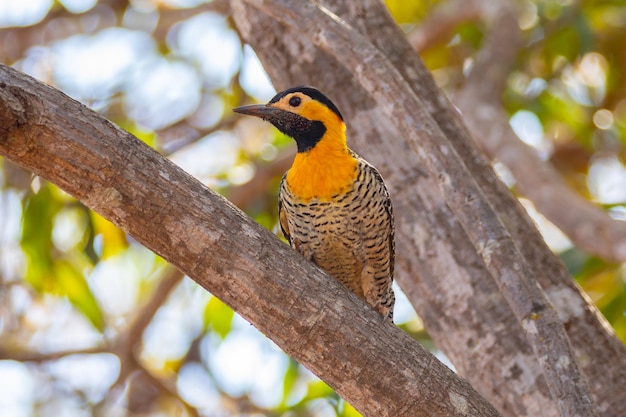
x,y
303,113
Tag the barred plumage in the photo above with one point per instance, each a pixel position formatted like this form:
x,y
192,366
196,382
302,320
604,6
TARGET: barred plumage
x,y
351,237
333,206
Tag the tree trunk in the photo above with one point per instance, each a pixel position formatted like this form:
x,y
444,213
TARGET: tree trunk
x,y
442,269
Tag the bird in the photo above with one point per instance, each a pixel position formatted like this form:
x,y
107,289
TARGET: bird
x,y
333,205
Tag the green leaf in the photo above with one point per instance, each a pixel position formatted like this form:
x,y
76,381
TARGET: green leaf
x,y
114,240
348,411
40,209
290,379
47,271
146,136
72,284
218,316
265,219
404,11
318,389
620,327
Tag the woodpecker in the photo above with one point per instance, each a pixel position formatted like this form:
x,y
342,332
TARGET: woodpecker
x,y
333,205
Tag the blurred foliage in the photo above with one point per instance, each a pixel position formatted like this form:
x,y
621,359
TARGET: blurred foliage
x,y
409,12
218,317
50,269
72,282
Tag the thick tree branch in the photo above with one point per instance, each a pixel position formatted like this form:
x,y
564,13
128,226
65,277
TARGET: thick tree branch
x,y
433,151
478,306
376,367
480,102
458,304
589,227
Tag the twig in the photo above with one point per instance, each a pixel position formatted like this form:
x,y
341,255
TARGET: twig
x,y
167,387
169,17
124,343
40,357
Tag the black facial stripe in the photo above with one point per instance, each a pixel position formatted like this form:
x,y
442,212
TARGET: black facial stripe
x,y
314,93
309,138
305,132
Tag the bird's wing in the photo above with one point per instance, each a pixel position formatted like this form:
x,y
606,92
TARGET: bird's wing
x,y
282,215
392,238
389,210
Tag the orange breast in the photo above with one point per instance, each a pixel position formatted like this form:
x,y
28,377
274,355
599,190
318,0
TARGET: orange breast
x,y
324,171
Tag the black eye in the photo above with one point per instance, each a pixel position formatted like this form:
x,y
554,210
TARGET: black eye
x,y
295,101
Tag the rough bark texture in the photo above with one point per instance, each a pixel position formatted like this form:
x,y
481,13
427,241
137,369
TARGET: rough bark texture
x,y
604,361
373,365
448,281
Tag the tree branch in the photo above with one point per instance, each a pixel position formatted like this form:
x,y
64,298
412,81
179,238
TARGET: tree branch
x,y
583,322
169,17
589,227
458,305
39,357
480,102
181,134
125,345
375,366
432,150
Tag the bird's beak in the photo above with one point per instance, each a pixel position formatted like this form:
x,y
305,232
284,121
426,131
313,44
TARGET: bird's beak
x,y
291,124
259,110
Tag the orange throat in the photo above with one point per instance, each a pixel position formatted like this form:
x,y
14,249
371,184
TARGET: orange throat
x,y
324,171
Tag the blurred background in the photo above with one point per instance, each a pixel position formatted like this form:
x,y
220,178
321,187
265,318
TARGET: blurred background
x,y
92,323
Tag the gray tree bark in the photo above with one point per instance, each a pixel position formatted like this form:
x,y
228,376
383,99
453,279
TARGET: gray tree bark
x,y
446,271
